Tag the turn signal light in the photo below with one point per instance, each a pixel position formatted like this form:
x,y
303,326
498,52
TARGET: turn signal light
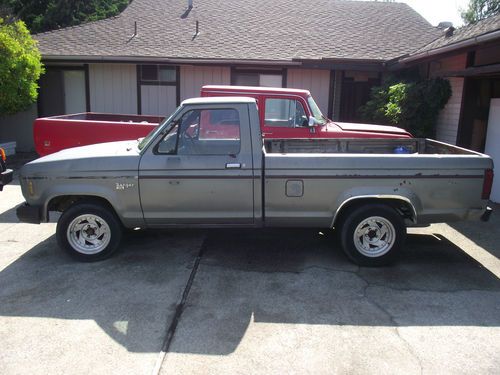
x,y
487,183
2,154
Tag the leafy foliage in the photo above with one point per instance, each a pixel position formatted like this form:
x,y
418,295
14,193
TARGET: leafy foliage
x,y
480,9
43,15
20,67
413,106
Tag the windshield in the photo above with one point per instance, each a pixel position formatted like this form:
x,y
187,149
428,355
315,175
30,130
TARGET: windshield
x,y
316,112
144,141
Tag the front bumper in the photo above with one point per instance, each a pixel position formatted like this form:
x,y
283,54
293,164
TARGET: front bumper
x,y
5,178
29,214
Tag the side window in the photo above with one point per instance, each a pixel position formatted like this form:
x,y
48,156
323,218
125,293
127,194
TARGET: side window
x,y
204,132
285,113
169,142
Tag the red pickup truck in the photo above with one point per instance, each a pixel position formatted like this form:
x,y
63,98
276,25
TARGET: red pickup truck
x,y
284,113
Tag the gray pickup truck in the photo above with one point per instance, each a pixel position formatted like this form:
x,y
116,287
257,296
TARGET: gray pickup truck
x,y
208,166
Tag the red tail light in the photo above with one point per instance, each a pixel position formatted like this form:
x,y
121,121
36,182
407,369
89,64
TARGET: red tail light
x,y
487,183
2,154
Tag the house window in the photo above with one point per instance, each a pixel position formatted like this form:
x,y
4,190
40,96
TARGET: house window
x,y
263,79
158,89
158,74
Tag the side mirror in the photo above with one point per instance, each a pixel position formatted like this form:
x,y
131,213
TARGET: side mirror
x,y
312,121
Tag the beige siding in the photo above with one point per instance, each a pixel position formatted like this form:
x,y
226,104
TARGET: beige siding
x,y
315,80
113,88
449,117
193,77
158,100
447,124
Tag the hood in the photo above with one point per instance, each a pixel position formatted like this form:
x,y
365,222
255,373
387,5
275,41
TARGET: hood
x,y
370,128
98,158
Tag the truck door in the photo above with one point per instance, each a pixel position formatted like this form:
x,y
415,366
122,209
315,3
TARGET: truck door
x,y
200,171
284,118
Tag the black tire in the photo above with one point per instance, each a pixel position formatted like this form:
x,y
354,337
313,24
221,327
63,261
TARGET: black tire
x,y
369,249
101,226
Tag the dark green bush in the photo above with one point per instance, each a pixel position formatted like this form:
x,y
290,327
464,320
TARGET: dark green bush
x,y
413,106
43,15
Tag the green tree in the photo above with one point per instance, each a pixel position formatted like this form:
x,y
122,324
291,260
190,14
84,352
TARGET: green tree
x,y
412,105
43,15
480,9
20,67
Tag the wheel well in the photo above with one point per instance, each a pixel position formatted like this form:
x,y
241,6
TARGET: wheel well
x,y
402,207
63,202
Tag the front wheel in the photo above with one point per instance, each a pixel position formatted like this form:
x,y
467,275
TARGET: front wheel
x,y
89,232
372,235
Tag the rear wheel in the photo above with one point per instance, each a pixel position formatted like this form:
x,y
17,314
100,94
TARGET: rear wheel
x,y
89,232
372,235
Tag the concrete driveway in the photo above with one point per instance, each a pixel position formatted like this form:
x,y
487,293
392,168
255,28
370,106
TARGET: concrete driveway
x,y
256,301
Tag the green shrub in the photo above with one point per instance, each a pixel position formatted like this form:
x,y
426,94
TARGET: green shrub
x,y
20,67
413,106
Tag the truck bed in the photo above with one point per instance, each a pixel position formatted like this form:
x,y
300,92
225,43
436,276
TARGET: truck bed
x,y
363,146
52,134
322,174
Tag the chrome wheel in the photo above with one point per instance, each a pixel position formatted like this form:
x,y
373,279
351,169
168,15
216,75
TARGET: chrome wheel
x,y
88,234
374,236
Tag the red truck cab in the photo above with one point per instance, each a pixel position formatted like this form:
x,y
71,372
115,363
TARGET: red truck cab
x,y
293,113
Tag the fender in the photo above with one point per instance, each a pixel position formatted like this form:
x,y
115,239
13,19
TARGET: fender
x,y
354,194
125,202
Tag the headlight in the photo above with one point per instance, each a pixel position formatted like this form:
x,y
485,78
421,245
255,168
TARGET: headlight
x,y
30,188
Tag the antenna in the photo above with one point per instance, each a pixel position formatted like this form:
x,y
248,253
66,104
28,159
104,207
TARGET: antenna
x,y
197,32
135,32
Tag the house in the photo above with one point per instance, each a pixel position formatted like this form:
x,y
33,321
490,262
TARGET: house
x,y
469,58
157,53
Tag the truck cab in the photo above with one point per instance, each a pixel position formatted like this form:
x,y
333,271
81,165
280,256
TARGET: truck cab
x,y
293,113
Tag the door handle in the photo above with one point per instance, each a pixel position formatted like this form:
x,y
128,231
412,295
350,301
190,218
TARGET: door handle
x,y
233,165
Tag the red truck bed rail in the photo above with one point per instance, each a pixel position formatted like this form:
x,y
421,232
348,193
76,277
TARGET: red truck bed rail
x,y
52,134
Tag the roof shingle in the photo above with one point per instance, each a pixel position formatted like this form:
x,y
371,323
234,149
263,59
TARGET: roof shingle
x,y
248,30
479,28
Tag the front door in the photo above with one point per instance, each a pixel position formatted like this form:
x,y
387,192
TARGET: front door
x,y
200,171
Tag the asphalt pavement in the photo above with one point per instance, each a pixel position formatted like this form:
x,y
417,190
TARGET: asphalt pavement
x,y
248,301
